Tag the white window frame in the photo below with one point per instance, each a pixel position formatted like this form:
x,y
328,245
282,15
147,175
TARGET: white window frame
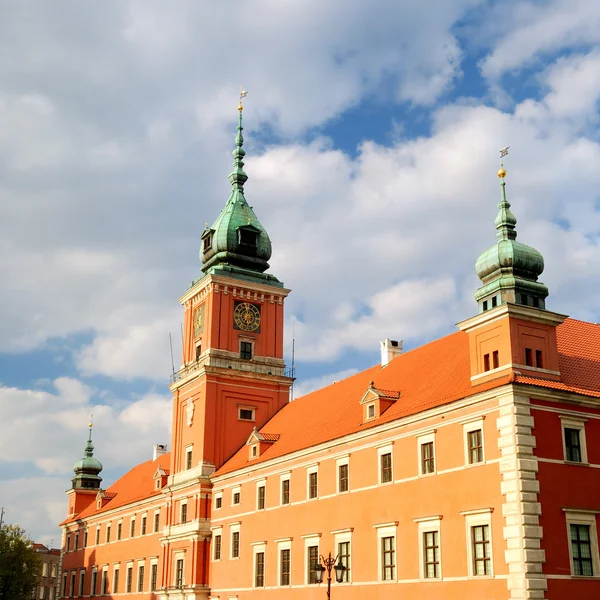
x,y
285,477
189,451
473,518
427,525
261,483
132,520
309,471
140,563
340,462
313,539
572,422
242,407
236,490
153,561
183,502
368,409
144,523
234,528
469,427
178,555
81,582
385,530
154,529
387,449
584,517
283,544
129,565
341,536
257,548
215,532
115,583
218,495
422,440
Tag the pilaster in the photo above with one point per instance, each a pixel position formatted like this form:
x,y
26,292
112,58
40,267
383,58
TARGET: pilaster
x,y
521,509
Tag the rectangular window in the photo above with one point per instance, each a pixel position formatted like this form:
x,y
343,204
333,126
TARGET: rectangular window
x,y
581,550
528,357
153,577
132,528
141,570
68,542
104,583
77,540
343,478
156,522
115,587
218,501
486,362
235,498
64,585
261,497
538,359
259,580
386,467
344,557
188,459
245,350
427,458
129,580
284,578
143,526
85,540
198,351
235,544
94,583
388,558
97,535
431,554
494,301
81,582
119,529
371,411
313,489
73,583
572,445
313,561
480,539
183,513
217,547
285,491
475,446
495,359
179,573
246,414
108,533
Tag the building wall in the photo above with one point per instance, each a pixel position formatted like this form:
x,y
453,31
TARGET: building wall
x,y
46,588
455,495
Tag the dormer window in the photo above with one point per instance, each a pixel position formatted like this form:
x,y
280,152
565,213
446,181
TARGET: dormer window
x,y
207,237
371,411
248,236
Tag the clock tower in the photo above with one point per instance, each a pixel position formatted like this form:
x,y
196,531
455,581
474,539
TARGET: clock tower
x,y
233,376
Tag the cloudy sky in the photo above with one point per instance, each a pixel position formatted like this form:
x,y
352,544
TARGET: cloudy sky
x,y
372,136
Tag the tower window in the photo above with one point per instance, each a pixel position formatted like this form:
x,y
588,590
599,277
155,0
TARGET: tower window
x,y
495,359
246,414
494,301
485,305
538,359
247,237
188,459
486,362
246,350
198,351
528,357
207,242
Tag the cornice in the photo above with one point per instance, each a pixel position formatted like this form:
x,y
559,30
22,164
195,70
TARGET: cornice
x,y
527,313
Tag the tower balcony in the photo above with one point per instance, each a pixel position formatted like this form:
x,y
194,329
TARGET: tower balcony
x,y
223,359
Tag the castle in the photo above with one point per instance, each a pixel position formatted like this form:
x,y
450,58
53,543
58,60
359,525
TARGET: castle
x,y
465,468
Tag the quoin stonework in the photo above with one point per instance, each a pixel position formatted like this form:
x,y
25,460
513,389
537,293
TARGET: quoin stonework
x,y
465,468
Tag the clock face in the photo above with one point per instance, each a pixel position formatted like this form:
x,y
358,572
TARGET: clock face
x,y
246,316
199,320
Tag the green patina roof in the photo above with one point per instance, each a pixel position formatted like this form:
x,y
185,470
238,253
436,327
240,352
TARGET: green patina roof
x,y
88,467
237,244
509,264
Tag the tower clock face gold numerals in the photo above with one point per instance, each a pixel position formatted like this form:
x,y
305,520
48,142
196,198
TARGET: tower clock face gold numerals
x,y
199,320
246,316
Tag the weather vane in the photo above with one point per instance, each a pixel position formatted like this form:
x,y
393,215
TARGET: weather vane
x,y
91,420
502,170
243,94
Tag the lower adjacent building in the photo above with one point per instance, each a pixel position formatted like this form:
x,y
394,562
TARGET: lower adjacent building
x,y
465,468
48,583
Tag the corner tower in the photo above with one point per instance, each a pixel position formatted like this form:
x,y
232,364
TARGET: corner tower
x,y
86,481
233,376
513,332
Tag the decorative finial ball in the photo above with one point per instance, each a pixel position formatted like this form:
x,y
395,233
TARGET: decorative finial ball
x,y
91,424
240,106
501,172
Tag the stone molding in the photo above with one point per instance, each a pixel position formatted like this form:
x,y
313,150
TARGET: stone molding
x,y
522,531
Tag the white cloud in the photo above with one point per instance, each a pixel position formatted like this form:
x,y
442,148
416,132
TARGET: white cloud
x,y
315,383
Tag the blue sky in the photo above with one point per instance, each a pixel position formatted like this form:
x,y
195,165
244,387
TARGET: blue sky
x,y
372,134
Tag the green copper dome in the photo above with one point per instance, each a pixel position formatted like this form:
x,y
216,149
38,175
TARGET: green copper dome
x,y
237,243
509,270
88,468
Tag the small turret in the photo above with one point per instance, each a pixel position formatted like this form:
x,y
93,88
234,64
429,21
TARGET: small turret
x,y
509,270
88,468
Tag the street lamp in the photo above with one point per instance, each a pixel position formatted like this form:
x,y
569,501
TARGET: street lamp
x,y
326,564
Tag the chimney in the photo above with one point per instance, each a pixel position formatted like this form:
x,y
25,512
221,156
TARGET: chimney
x,y
159,450
389,350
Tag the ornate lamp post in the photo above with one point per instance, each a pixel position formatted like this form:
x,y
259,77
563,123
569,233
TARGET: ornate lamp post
x,y
326,564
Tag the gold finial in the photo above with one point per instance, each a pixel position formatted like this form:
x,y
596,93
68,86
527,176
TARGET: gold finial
x,y
91,420
243,94
502,170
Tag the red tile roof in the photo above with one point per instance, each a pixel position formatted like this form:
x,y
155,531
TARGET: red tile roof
x,y
429,376
136,484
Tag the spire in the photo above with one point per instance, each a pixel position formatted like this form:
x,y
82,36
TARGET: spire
x,y
509,270
237,244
